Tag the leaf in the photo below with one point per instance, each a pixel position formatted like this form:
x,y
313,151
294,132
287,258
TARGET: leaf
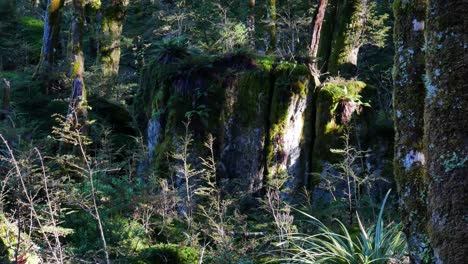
x,y
61,231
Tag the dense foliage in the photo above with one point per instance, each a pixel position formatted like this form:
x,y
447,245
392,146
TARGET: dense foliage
x,y
183,131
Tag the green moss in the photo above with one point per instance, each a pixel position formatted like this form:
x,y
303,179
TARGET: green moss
x,y
31,32
291,82
76,68
33,23
346,29
253,93
170,254
265,62
327,129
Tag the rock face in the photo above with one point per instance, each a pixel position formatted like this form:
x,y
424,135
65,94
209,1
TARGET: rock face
x,y
286,152
256,109
329,122
244,128
259,110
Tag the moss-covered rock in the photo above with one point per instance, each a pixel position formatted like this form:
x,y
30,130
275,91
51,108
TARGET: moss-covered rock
x,y
287,120
328,126
251,105
244,128
172,93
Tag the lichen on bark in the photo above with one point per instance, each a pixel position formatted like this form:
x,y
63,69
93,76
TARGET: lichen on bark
x,y
111,14
445,129
409,159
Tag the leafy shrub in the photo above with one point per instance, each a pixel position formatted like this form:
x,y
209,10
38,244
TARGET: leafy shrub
x,y
31,32
170,254
233,35
124,235
8,243
171,50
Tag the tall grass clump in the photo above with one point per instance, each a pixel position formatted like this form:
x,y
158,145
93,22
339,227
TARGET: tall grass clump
x,y
377,244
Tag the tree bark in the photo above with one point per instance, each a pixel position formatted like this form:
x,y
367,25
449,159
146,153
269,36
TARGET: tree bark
x,y
346,37
77,111
251,24
409,122
272,27
113,14
446,142
6,109
51,36
316,29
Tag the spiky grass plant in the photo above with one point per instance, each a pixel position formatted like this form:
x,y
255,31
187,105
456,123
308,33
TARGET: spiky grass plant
x,y
376,244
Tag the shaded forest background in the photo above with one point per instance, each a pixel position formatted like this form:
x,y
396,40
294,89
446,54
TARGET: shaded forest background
x,y
266,131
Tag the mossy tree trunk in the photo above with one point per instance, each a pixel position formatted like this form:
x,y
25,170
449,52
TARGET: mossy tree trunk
x,y
6,103
348,28
409,122
445,128
326,35
272,26
112,17
51,38
251,24
77,112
